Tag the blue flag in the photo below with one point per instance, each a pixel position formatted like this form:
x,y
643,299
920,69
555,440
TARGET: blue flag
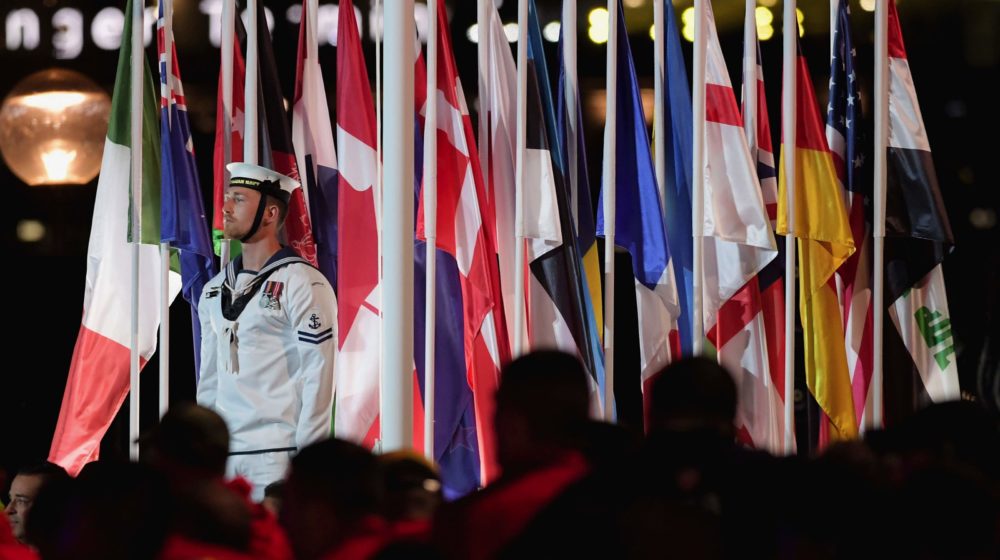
x,y
639,226
677,141
182,212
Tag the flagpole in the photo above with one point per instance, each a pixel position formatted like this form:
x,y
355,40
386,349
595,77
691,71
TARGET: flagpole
x,y
610,190
250,128
483,90
164,393
228,37
881,141
520,345
397,226
837,280
568,27
750,76
136,181
659,150
430,226
698,178
377,190
790,58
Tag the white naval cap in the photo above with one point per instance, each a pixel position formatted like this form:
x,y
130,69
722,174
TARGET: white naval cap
x,y
261,179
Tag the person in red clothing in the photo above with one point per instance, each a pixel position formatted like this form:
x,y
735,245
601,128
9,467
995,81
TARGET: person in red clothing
x,y
542,409
191,446
331,502
10,548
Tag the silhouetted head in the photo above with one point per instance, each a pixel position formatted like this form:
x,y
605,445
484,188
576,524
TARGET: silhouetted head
x,y
542,406
693,395
412,486
333,485
190,441
24,490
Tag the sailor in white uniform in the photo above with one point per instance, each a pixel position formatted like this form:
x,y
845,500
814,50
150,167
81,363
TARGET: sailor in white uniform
x,y
269,335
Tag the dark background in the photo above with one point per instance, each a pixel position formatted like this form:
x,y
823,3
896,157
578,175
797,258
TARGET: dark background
x,y
954,55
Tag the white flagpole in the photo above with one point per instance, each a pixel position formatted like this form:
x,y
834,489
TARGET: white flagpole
x,y
837,280
568,27
168,51
250,128
698,178
659,130
750,76
397,226
610,190
228,34
484,94
430,226
380,11
881,142
520,345
790,60
136,180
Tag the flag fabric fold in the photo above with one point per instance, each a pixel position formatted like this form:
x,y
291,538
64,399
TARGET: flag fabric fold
x,y
236,137
738,244
556,288
678,122
847,144
764,429
98,380
582,211
639,221
824,242
183,223
555,291
358,287
312,138
463,232
275,138
918,236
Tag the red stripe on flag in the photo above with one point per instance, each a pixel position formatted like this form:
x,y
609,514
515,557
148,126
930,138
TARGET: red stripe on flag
x,y
896,47
720,105
773,305
88,407
736,314
809,129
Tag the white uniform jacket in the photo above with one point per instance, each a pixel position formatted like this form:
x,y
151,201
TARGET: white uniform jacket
x,y
267,368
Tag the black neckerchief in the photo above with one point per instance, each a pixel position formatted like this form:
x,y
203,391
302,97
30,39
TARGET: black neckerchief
x,y
232,308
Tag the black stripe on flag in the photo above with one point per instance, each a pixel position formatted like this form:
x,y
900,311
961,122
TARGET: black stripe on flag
x,y
918,235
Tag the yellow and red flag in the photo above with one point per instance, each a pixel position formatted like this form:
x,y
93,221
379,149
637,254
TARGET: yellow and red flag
x,y
824,243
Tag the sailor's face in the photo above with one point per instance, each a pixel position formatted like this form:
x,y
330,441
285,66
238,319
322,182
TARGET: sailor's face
x,y
239,207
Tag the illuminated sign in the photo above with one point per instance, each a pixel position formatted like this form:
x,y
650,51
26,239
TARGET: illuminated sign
x,y
69,27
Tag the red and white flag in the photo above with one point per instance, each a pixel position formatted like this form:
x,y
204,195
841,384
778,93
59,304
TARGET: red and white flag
x,y
358,288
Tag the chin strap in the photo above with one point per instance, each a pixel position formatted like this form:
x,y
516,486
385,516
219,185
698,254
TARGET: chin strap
x,y
256,220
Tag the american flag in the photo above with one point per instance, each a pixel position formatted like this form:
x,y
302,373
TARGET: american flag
x,y
845,136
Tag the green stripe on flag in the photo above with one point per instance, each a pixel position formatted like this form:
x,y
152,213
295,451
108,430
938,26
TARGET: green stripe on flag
x,y
119,132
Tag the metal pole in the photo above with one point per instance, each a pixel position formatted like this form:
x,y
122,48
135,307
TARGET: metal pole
x,y
571,90
137,63
790,60
698,178
377,190
520,345
430,226
251,129
610,190
397,223
659,130
750,76
228,35
881,142
164,392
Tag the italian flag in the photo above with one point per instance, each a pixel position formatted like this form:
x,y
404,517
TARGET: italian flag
x,y
99,371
